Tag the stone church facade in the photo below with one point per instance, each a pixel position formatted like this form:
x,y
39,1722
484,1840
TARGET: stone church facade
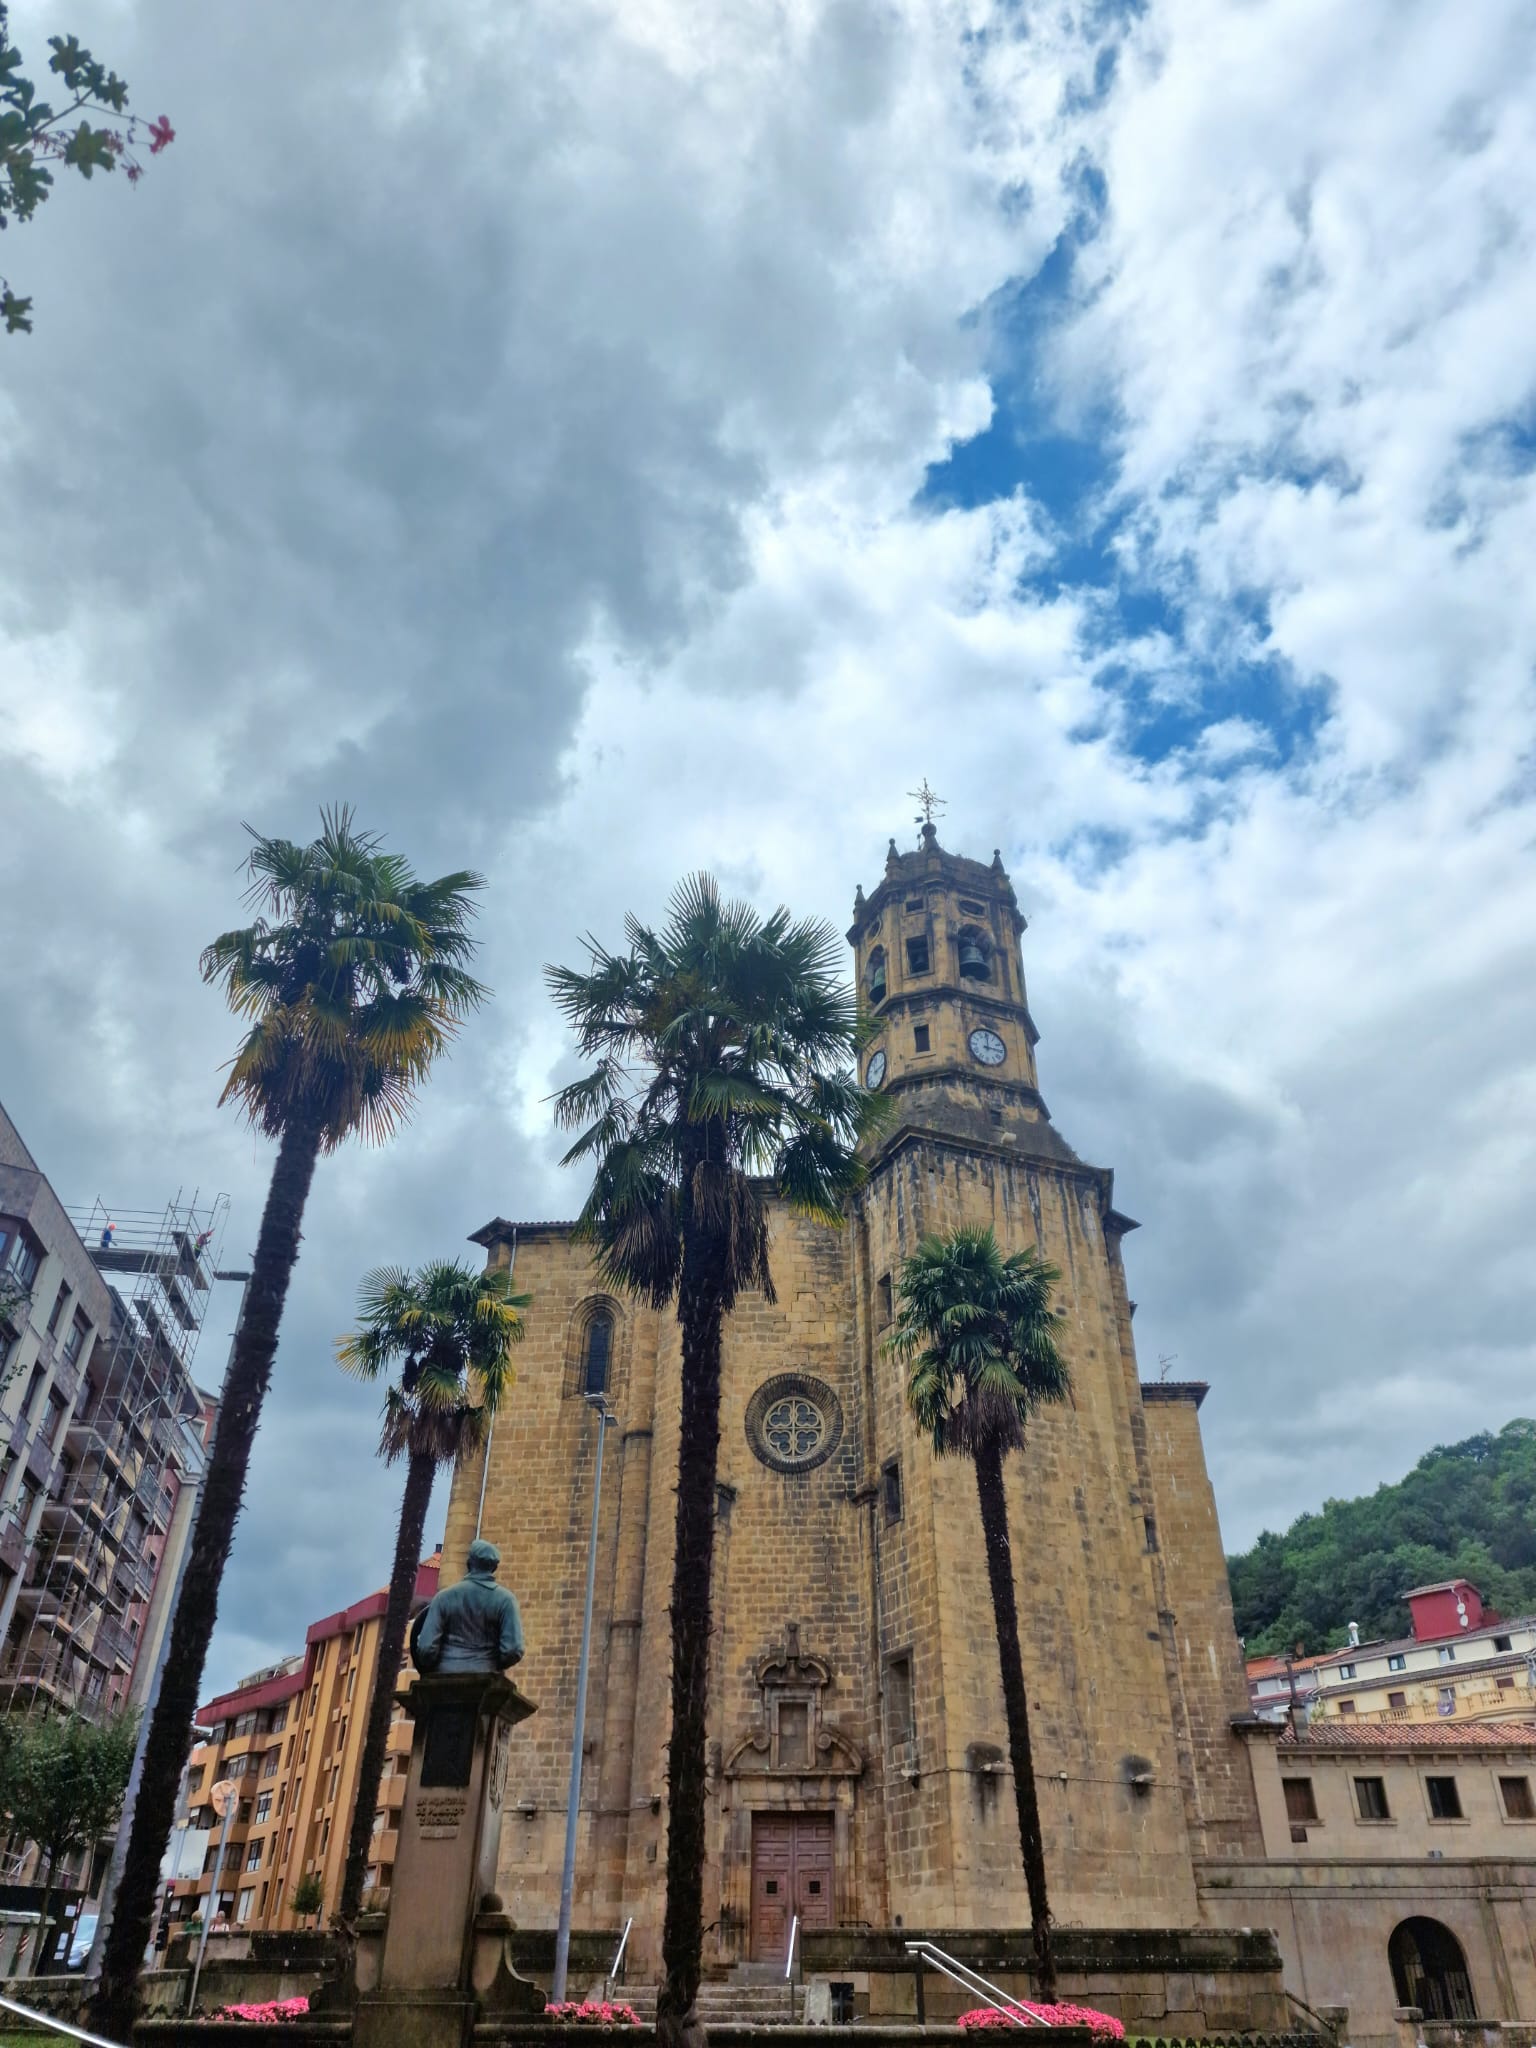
x,y
858,1748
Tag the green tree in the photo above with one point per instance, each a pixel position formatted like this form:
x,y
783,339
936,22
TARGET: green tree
x,y
63,1780
451,1331
979,1334
1466,1510
308,1896
724,1049
34,133
354,978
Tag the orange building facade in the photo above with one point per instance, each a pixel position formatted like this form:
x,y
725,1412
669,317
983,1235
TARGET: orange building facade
x,y
291,1737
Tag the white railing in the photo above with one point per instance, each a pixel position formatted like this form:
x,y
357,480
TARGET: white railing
x,y
618,1959
789,1958
1013,2010
45,2019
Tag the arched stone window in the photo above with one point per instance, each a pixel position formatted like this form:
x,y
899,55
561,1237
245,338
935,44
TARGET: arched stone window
x,y
876,975
597,1352
1429,1970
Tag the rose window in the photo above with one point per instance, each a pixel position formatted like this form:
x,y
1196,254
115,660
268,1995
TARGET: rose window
x,y
794,1422
794,1428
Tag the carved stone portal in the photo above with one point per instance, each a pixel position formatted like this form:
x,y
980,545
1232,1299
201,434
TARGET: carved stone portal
x,y
793,1737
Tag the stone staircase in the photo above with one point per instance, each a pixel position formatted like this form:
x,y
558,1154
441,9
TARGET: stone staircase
x,y
729,2004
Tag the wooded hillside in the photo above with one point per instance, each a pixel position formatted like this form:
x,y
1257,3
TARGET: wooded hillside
x,y
1466,1510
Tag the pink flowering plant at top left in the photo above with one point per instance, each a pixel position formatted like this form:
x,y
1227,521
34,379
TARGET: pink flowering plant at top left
x,y
35,133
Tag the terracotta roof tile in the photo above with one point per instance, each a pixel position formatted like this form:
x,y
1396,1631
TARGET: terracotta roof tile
x,y
1412,1735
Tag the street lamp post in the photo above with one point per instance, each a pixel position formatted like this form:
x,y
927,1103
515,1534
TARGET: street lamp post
x,y
573,1797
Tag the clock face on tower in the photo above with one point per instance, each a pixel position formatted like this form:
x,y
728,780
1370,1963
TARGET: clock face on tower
x,y
987,1047
874,1073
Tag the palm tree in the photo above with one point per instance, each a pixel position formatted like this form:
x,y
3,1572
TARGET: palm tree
x,y
724,1049
451,1331
354,976
979,1331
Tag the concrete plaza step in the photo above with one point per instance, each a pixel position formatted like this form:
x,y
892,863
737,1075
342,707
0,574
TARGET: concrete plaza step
x,y
762,2005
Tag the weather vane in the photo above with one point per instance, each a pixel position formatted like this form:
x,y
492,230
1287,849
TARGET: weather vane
x,y
929,801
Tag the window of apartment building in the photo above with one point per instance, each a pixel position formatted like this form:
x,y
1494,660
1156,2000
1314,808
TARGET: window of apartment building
x,y
279,1718
282,1797
1397,1662
1503,1643
1346,1671
13,1247
266,1886
1346,1706
1446,1653
243,1813
195,1778
288,1845
320,1650
76,1337
351,1681
1445,1702
264,1808
34,1398
341,1736
325,1834
1300,1799
58,1418
269,1769
244,1904
304,1748
920,1038
58,1307
898,1698
245,1724
1398,1701
335,1784
253,1854
1371,1799
1444,1799
1516,1794
380,1820
314,1699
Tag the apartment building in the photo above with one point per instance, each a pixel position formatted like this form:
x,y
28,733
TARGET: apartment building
x,y
104,1433
291,1736
1461,1663
1281,1686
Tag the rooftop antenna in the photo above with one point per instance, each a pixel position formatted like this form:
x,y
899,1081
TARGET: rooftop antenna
x,y
1165,1361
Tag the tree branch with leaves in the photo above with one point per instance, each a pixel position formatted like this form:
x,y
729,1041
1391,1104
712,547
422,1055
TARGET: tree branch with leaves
x,y
93,131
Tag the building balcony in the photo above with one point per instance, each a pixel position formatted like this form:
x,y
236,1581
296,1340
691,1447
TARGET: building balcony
x,y
13,1541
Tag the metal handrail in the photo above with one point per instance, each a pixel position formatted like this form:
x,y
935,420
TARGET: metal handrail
x,y
46,2019
618,1956
972,1981
789,1959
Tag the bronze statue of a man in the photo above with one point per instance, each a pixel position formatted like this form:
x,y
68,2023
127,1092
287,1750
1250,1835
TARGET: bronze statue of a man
x,y
473,1626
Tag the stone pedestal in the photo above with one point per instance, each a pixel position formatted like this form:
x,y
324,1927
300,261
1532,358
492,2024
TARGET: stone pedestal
x,y
440,1961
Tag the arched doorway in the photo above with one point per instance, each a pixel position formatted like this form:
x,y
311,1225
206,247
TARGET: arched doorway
x,y
1429,1970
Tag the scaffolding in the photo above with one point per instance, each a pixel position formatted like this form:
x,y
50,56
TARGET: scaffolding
x,y
131,1438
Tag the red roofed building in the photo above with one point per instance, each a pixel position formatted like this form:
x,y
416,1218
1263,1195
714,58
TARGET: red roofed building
x,y
291,1737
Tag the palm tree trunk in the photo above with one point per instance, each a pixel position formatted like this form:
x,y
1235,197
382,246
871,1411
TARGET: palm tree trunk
x,y
700,1313
1005,1615
114,2007
419,1474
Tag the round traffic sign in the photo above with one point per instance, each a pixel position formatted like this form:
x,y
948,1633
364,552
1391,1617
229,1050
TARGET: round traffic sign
x,y
222,1796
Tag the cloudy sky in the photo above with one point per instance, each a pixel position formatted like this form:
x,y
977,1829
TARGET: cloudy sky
x,y
607,437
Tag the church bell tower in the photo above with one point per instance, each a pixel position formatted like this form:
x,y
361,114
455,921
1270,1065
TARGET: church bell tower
x,y
938,963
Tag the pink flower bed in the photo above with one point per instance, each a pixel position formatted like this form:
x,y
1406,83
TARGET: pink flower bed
x,y
593,2012
272,2014
1103,2024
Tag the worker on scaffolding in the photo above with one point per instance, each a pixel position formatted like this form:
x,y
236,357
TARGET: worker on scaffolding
x,y
106,1237
204,1239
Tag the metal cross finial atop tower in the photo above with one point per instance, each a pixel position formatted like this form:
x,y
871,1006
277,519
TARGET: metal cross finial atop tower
x,y
929,801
